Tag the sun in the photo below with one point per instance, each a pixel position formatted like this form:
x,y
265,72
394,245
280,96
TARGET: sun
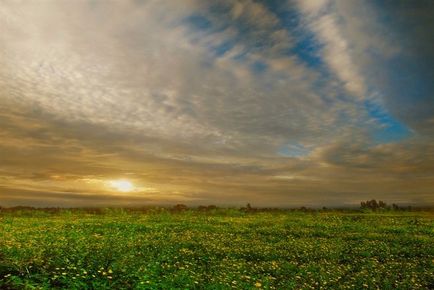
x,y
121,185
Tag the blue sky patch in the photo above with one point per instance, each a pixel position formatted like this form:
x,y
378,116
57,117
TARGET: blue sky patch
x,y
307,49
199,22
221,49
293,150
259,67
390,130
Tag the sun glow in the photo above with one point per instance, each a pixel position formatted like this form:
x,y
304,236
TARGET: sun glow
x,y
121,185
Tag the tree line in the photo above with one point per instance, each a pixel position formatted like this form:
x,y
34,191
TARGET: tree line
x,y
372,205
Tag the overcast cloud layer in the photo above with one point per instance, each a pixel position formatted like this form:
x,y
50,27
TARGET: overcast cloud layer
x,y
276,103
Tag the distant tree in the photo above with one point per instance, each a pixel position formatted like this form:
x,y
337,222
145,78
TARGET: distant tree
x,y
206,208
373,204
211,207
248,208
179,207
202,208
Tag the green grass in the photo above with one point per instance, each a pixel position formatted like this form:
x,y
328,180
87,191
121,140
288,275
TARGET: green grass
x,y
220,250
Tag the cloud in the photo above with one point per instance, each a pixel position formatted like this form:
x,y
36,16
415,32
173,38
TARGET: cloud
x,y
323,19
196,99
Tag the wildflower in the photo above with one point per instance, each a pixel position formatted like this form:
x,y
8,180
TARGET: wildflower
x,y
258,284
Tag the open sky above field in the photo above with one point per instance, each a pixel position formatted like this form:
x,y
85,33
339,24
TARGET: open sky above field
x,y
276,103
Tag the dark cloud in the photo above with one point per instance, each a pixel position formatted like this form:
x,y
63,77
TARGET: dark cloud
x,y
409,90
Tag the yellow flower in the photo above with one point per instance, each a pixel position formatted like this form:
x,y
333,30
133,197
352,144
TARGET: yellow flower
x,y
258,284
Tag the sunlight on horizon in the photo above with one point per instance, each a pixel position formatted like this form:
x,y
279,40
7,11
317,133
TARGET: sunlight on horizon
x,y
121,185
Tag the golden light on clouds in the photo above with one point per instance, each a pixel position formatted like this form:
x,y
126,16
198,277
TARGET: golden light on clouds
x,y
168,107
122,185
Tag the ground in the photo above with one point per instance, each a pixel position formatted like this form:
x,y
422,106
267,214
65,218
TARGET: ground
x,y
221,249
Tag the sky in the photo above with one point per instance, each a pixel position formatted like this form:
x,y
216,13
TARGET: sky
x,y
274,103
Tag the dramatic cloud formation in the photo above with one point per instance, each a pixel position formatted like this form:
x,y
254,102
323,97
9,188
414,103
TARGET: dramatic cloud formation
x,y
277,103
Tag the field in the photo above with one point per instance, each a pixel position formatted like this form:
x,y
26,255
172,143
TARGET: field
x,y
221,249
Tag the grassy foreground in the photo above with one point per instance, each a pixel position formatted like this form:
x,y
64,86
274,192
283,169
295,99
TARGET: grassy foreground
x,y
219,250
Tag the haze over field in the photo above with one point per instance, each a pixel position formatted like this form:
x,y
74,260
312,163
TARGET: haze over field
x,y
276,103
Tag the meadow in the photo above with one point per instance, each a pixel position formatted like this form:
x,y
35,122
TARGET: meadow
x,y
220,249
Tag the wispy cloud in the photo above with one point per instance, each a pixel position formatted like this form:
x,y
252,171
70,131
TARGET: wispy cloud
x,y
325,21
204,102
